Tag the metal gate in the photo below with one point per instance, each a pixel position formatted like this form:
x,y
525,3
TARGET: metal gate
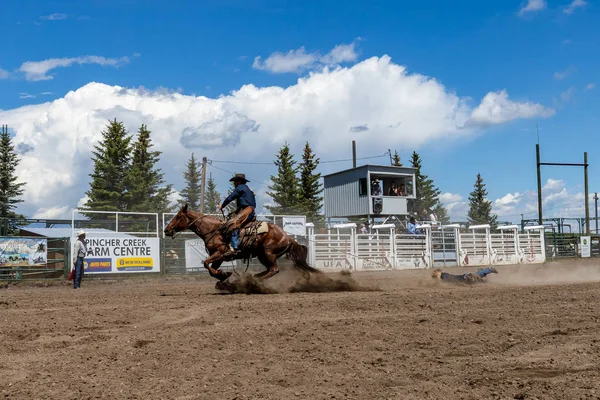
x,y
444,246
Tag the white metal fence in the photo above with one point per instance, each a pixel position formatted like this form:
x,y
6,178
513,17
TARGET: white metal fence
x,y
343,248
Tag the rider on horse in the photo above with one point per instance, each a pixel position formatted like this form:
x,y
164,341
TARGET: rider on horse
x,y
246,205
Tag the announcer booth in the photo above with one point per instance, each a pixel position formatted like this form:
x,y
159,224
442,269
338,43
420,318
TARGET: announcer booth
x,y
369,192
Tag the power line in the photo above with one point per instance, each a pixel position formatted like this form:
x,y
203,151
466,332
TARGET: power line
x,y
271,163
231,172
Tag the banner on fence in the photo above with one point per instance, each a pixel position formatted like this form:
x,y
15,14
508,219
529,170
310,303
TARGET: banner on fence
x,y
586,248
295,225
122,255
195,254
20,252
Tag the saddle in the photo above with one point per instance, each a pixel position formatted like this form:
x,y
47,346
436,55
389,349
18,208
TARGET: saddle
x,y
248,233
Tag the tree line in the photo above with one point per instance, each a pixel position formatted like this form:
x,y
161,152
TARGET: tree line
x,y
126,177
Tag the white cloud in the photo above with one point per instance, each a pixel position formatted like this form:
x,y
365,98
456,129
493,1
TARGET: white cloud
x,y
53,213
26,96
570,9
299,60
567,94
56,137
557,201
564,74
447,198
54,17
3,74
590,86
46,93
497,108
37,70
532,6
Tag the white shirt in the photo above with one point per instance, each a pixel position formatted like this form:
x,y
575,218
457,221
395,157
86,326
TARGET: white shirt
x,y
80,250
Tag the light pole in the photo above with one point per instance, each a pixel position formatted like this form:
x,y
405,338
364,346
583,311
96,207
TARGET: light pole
x,y
596,209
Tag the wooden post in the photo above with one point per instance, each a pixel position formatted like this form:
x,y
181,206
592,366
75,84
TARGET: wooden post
x,y
203,185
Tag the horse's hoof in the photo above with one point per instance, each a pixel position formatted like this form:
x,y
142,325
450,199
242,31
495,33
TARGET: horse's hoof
x,y
223,276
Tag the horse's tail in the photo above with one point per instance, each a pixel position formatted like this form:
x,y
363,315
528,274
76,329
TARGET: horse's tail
x,y
298,253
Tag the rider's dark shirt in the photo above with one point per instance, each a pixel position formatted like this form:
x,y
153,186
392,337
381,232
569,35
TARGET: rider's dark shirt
x,y
244,196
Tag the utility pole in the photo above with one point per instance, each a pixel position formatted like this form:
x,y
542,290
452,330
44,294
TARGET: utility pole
x,y
203,185
587,195
596,208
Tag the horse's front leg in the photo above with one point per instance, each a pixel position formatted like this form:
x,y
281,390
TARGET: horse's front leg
x,y
214,271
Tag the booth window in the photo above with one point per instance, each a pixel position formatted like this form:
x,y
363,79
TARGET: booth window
x,y
362,186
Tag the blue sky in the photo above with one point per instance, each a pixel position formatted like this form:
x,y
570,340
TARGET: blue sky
x,y
546,55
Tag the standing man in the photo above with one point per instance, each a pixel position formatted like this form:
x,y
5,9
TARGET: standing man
x,y
246,205
79,253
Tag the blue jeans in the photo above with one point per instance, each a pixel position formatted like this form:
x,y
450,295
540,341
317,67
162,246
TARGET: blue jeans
x,y
78,273
235,235
483,272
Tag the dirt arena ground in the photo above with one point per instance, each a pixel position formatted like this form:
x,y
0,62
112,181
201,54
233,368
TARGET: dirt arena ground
x,y
531,332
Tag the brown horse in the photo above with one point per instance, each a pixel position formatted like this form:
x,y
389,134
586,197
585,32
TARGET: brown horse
x,y
267,247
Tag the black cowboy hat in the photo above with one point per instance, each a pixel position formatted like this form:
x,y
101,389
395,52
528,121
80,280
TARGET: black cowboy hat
x,y
239,177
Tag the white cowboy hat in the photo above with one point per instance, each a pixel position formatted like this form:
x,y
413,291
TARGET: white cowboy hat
x,y
80,233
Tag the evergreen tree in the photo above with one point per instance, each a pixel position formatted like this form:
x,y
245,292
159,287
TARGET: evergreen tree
x,y
146,189
284,190
231,207
442,214
310,186
111,161
212,198
427,193
191,193
10,189
480,209
396,160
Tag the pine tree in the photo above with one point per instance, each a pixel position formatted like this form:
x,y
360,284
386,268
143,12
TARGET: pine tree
x,y
480,209
427,193
284,190
396,160
310,186
146,189
190,195
231,207
212,198
10,189
111,161
442,214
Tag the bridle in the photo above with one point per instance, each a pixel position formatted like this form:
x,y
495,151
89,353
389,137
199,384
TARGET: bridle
x,y
197,232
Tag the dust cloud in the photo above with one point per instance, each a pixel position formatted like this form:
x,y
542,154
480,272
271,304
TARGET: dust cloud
x,y
294,282
547,274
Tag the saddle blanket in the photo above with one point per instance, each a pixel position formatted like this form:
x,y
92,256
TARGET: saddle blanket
x,y
263,227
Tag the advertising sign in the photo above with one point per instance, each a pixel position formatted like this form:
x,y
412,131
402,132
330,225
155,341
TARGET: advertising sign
x,y
121,255
295,225
21,252
195,254
586,248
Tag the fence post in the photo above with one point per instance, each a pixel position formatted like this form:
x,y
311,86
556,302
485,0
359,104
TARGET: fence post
x,y
311,240
543,243
393,247
457,245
